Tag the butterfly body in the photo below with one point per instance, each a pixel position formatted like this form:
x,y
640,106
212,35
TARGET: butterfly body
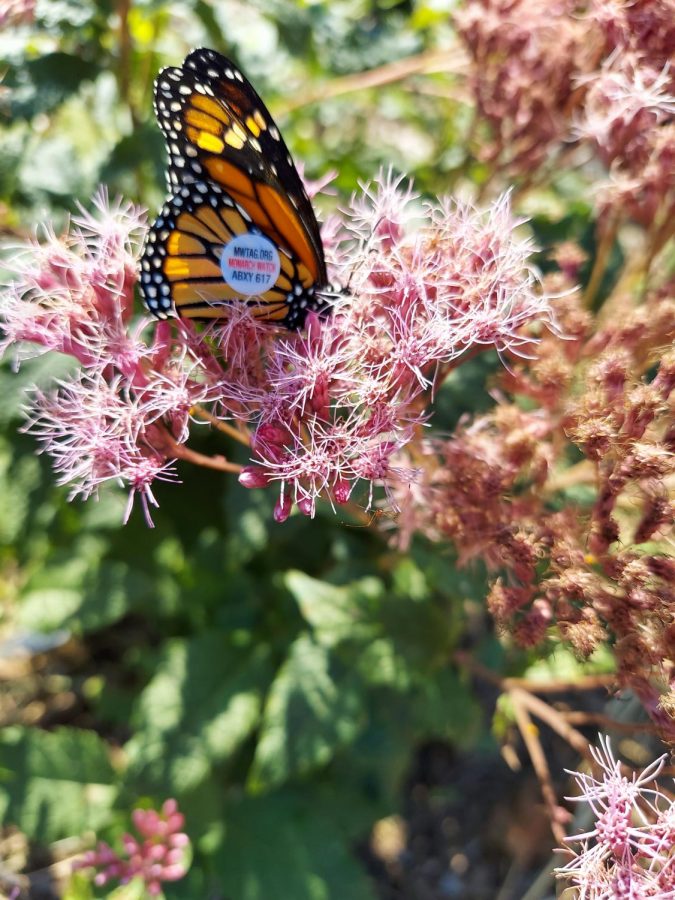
x,y
238,226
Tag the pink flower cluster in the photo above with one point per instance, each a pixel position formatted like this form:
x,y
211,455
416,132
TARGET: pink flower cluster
x,y
630,851
322,411
549,71
524,54
502,488
628,113
14,13
157,855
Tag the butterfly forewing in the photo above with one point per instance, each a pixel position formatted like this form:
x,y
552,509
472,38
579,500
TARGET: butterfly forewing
x,y
218,129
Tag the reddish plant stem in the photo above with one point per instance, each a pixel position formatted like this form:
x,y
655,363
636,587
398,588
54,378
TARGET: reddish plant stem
x,y
235,433
575,717
530,737
584,683
180,451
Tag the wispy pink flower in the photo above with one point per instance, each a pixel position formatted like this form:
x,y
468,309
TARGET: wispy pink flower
x,y
156,855
97,431
326,412
630,851
625,100
16,12
74,294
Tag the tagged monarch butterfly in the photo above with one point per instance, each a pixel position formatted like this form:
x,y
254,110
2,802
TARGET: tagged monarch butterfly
x,y
238,226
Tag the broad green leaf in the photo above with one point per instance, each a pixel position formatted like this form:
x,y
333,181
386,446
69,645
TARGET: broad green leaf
x,y
337,613
285,845
18,479
97,596
204,701
381,664
445,707
135,890
410,581
48,609
56,784
314,708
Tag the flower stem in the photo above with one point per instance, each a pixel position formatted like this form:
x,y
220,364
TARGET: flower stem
x,y
607,233
180,451
235,433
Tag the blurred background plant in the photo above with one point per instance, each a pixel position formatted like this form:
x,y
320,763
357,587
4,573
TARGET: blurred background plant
x,y
340,710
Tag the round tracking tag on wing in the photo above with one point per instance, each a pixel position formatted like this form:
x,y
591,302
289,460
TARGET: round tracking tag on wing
x,y
250,264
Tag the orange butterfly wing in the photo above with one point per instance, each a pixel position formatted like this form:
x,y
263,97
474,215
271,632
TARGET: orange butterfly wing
x,y
218,129
231,177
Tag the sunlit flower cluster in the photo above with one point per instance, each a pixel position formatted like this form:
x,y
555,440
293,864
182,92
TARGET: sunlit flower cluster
x,y
14,13
572,542
547,74
322,412
524,60
158,852
566,487
630,851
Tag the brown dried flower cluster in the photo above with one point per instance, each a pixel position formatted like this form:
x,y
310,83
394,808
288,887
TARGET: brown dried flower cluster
x,y
567,490
525,56
549,74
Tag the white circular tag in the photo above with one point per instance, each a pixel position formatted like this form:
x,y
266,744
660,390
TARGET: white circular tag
x,y
250,264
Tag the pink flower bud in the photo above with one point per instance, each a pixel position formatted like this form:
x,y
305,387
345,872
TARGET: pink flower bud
x,y
253,477
282,509
342,491
306,506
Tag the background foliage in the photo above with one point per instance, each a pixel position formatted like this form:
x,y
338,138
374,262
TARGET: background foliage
x,y
276,680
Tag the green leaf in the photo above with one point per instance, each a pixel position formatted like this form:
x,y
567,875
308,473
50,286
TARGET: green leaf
x,y
47,609
89,598
335,613
562,665
135,890
381,664
79,887
284,845
314,708
18,479
445,707
55,784
202,704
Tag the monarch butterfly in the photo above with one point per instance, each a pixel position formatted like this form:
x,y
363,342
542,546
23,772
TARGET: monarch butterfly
x,y
238,226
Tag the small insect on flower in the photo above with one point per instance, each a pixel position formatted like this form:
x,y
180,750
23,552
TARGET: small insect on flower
x,y
238,227
375,515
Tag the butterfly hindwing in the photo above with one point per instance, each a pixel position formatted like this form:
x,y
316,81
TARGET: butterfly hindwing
x,y
218,129
203,234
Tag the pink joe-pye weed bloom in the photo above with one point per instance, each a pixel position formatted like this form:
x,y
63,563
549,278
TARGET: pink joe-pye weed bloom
x,y
629,853
524,55
325,413
625,99
15,13
75,293
158,852
546,73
